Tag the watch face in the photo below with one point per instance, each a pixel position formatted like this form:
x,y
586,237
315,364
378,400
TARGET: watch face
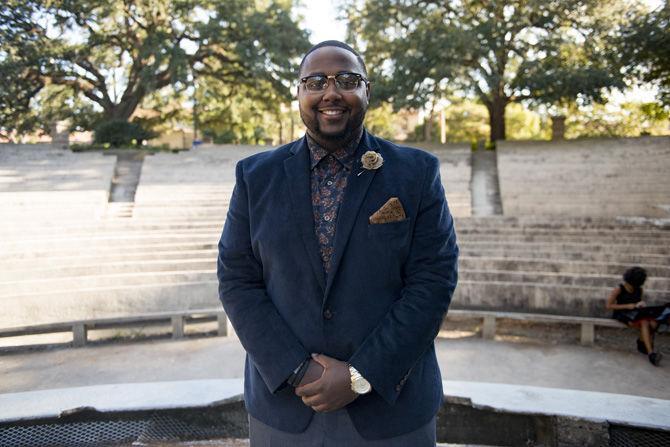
x,y
361,386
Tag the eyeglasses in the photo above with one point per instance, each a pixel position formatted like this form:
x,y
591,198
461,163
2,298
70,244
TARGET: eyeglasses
x,y
345,82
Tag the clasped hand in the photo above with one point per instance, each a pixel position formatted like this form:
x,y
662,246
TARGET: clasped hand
x,y
331,390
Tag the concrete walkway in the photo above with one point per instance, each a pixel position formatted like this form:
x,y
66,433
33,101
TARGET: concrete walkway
x,y
462,359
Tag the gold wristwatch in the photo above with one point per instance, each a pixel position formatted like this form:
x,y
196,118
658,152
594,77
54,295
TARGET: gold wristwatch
x,y
358,384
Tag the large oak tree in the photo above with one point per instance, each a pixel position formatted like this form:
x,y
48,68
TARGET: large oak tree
x,y
115,53
546,51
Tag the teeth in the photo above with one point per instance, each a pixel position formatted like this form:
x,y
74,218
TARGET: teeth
x,y
331,112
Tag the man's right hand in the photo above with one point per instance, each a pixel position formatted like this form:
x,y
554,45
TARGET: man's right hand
x,y
314,371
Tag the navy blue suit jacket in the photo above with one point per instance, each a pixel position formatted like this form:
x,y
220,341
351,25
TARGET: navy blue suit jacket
x,y
380,307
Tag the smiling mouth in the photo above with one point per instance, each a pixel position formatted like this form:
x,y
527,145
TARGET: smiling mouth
x,y
332,112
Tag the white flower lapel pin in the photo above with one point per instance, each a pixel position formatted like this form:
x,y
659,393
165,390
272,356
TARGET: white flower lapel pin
x,y
371,161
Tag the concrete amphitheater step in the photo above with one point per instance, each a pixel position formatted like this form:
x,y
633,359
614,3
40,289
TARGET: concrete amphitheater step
x,y
551,222
654,285
107,302
24,230
604,238
557,266
635,209
145,251
543,298
109,244
600,230
30,287
112,234
566,247
628,258
50,270
557,229
191,213
153,249
38,262
566,238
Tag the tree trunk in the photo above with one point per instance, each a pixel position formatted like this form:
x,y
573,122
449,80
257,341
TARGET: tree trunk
x,y
496,110
428,127
126,107
558,127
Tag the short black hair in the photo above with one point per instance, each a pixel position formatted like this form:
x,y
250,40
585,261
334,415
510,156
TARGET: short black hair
x,y
635,276
338,44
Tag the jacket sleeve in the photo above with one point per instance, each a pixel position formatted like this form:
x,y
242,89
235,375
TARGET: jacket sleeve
x,y
387,355
270,343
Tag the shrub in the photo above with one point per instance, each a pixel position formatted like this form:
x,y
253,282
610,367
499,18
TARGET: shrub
x,y
122,133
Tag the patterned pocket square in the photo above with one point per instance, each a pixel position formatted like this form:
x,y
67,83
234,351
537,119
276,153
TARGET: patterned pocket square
x,y
391,211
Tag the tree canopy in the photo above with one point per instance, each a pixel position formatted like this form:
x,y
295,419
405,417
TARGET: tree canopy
x,y
645,44
116,53
544,51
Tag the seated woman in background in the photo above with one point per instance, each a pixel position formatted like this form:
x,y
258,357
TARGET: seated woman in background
x,y
626,302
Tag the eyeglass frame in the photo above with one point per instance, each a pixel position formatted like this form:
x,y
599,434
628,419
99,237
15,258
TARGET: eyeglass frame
x,y
359,76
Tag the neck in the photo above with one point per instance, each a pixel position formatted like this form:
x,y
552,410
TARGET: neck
x,y
333,144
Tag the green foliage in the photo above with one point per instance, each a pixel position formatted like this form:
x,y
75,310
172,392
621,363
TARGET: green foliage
x,y
120,133
466,121
524,124
383,122
116,53
630,120
645,44
237,114
499,51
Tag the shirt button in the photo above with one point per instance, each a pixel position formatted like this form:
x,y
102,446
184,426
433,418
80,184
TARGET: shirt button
x,y
326,218
327,314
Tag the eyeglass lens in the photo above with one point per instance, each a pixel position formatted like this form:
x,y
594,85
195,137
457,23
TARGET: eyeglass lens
x,y
343,81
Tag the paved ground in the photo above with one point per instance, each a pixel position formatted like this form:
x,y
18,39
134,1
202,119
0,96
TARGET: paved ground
x,y
464,359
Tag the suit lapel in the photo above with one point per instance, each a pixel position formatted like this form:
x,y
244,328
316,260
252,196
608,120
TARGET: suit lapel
x,y
357,187
297,172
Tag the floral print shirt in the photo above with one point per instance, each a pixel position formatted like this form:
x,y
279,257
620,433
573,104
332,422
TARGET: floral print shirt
x,y
329,175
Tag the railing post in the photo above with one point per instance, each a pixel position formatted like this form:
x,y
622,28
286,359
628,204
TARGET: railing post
x,y
177,326
222,321
79,335
588,334
489,329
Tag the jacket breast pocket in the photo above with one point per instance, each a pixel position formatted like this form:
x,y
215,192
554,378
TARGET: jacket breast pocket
x,y
390,231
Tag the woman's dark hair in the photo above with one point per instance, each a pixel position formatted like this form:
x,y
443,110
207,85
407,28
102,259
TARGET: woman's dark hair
x,y
635,276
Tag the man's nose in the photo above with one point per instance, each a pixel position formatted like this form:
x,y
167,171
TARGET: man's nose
x,y
331,91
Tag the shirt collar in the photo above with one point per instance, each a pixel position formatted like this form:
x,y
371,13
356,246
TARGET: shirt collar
x,y
344,155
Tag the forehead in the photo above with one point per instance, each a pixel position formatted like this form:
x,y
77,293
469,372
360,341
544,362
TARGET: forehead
x,y
330,60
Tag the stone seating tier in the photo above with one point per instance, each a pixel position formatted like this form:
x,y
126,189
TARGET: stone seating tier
x,y
23,269
589,177
163,258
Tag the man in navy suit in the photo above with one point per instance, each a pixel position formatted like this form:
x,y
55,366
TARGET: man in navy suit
x,y
336,267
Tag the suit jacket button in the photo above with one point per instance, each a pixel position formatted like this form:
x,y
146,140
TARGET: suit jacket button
x,y
327,314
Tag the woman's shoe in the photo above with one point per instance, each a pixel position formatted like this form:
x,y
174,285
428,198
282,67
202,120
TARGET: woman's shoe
x,y
641,348
655,358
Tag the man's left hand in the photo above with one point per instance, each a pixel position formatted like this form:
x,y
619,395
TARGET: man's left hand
x,y
332,390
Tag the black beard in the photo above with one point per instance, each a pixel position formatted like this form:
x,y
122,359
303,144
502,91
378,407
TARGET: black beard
x,y
336,141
